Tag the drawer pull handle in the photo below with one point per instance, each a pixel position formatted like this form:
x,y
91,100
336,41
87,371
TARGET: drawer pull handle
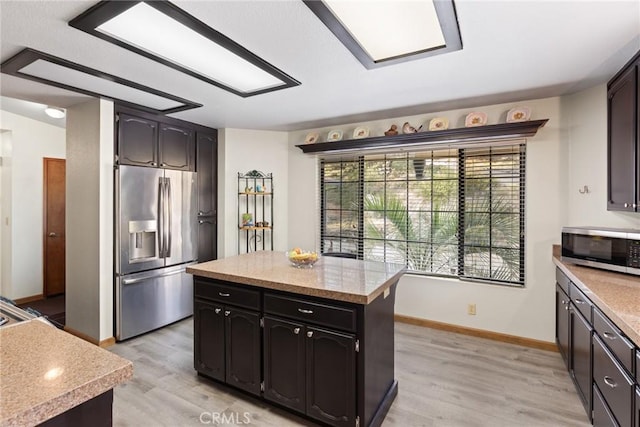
x,y
302,310
218,310
222,294
579,301
227,312
310,334
609,335
610,382
296,331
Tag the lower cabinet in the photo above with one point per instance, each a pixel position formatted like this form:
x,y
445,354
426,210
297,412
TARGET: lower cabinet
x,y
227,344
580,355
330,361
310,370
599,357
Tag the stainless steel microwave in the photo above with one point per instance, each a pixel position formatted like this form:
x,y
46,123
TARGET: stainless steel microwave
x,y
606,248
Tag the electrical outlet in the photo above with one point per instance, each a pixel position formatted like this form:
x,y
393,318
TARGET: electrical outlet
x,y
471,309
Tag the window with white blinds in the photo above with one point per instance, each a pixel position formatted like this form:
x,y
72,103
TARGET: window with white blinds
x,y
452,212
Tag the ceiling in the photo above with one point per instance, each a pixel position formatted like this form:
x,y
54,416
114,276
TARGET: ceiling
x,y
512,50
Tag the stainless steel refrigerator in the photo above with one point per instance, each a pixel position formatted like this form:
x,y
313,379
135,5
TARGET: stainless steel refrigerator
x,y
156,238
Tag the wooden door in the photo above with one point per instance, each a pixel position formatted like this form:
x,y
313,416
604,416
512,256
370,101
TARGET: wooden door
x,y
54,226
206,239
284,363
137,141
243,349
206,166
176,147
331,377
209,339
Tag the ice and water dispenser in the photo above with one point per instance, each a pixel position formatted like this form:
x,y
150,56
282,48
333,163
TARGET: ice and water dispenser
x,y
142,241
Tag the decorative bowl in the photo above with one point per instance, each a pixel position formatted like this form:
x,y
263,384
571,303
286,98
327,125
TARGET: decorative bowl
x,y
301,259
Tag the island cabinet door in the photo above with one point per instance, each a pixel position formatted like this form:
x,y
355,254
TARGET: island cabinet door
x,y
243,355
284,363
209,339
331,376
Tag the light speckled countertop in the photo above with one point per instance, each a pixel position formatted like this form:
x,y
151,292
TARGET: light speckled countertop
x,y
46,371
339,279
617,295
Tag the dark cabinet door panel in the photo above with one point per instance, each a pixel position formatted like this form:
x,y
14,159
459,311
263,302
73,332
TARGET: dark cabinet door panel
x,y
623,141
331,395
207,168
209,340
207,239
137,141
243,355
176,147
284,363
581,356
562,323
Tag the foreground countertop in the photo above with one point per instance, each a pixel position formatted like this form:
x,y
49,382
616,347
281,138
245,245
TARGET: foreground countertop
x,y
46,371
617,295
339,279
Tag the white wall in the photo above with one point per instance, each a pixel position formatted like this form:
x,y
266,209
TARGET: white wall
x,y
585,116
24,146
528,311
242,150
89,219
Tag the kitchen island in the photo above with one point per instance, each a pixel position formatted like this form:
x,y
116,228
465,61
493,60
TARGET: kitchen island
x,y
317,341
53,378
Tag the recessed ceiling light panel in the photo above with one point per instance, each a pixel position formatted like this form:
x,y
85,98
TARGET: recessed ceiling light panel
x,y
165,33
382,33
54,71
55,112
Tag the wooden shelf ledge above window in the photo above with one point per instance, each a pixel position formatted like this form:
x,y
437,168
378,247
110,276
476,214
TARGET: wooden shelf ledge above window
x,y
458,136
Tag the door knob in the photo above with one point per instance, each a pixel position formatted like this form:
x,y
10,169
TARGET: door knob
x,y
52,234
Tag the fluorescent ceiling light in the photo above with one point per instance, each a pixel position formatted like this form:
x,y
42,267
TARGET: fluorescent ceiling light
x,y
55,112
384,32
48,69
167,34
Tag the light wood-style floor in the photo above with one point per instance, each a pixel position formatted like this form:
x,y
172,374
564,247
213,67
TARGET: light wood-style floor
x,y
445,379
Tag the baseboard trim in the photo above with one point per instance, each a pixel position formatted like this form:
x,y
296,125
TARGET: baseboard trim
x,y
480,333
25,300
108,342
104,343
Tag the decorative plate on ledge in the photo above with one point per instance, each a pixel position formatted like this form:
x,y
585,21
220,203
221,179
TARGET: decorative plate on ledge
x,y
475,119
312,138
334,135
518,114
360,132
439,123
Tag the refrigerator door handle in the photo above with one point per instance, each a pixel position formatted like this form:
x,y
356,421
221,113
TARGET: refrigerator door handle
x,y
161,217
169,205
150,275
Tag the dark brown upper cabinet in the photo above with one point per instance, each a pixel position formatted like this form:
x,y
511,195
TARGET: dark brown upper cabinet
x,y
207,168
146,142
137,141
623,139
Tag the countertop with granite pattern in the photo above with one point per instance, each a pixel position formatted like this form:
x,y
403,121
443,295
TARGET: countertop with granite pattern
x,y
339,279
617,295
46,371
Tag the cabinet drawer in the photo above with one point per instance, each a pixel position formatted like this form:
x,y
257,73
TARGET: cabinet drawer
x,y
580,301
602,417
613,338
614,384
312,312
227,294
562,280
